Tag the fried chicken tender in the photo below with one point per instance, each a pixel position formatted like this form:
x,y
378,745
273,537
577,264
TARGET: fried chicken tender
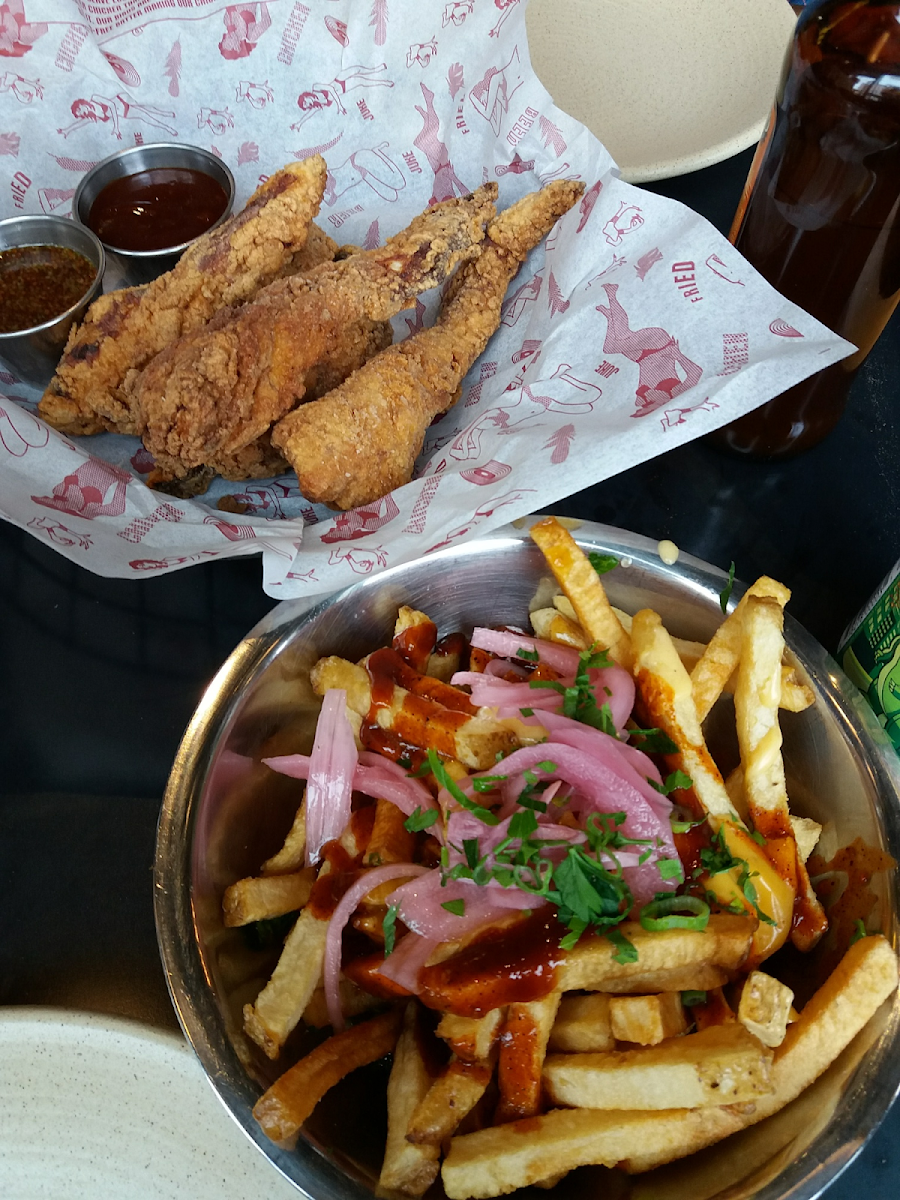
x,y
123,330
362,439
217,390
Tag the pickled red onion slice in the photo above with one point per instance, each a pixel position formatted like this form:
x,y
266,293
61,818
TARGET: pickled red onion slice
x,y
561,658
410,955
330,784
345,909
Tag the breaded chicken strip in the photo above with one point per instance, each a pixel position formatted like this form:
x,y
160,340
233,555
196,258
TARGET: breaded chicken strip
x,y
361,440
216,391
123,330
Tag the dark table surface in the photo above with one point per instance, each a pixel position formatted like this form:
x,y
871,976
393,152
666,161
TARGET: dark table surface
x,y
98,677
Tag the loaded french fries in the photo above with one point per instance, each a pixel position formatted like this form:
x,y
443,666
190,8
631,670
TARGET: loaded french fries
x,y
569,910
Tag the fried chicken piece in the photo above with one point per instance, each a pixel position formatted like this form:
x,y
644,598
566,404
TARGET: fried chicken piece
x,y
219,389
123,330
361,440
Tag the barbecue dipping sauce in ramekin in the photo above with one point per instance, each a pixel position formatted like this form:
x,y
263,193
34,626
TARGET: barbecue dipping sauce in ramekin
x,y
156,209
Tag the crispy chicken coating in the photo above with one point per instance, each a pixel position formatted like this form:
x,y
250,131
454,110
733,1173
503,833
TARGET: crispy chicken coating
x,y
217,390
362,439
123,330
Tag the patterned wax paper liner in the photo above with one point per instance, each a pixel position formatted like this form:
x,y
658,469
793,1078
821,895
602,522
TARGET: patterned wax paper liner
x,y
635,328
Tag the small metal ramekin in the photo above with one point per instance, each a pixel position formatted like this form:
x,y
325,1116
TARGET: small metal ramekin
x,y
33,353
141,266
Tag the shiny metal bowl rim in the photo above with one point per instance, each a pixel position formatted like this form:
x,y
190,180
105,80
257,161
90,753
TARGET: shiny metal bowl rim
x,y
46,221
137,151
314,1176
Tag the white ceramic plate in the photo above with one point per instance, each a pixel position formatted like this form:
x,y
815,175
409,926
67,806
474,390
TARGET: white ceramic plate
x,y
91,1107
668,86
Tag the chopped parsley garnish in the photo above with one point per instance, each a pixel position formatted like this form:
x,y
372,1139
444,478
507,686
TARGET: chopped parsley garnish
x,y
691,999
390,931
457,907
443,777
671,868
654,741
674,782
626,952
718,858
579,701
422,818
859,931
725,594
527,712
528,655
602,563
486,782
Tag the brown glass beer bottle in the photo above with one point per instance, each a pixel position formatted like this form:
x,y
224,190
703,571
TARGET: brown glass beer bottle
x,y
820,214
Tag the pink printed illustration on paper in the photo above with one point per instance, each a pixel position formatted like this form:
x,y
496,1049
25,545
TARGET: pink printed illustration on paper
x,y
327,95
94,489
560,443
17,33
724,270
257,95
587,202
217,121
60,534
21,432
506,7
627,218
125,70
481,514
421,53
487,473
174,560
24,90
493,92
373,167
646,262
338,30
360,522
105,110
664,372
677,416
360,561
514,305
135,531
244,26
515,167
781,329
53,198
456,11
230,530
447,183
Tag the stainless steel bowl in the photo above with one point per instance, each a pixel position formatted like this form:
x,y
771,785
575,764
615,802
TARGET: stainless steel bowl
x,y
141,266
33,353
223,814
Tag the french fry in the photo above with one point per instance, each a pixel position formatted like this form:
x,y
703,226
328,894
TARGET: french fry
x,y
354,1002
647,1020
257,899
472,1039
553,626
582,1024
282,1109
714,1011
581,584
391,841
806,835
718,661
523,1046
474,741
723,1064
764,1007
449,1100
292,854
665,692
415,636
865,977
492,1162
591,965
756,701
281,1003
407,1167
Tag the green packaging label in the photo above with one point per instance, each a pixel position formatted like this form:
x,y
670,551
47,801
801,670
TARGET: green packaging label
x,y
870,654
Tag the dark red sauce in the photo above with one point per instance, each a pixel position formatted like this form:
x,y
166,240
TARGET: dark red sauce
x,y
38,283
157,209
502,966
416,643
